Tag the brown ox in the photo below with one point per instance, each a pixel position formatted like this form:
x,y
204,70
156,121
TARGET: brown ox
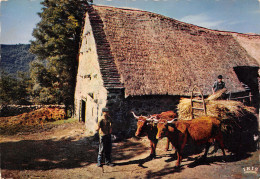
x,y
201,130
146,127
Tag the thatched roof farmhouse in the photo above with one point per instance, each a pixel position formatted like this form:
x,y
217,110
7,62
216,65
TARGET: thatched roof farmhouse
x,y
142,61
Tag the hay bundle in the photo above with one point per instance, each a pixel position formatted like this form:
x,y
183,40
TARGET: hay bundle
x,y
238,122
224,109
217,95
184,109
227,109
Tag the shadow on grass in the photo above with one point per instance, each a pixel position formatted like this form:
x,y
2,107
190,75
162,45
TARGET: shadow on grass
x,y
47,154
140,162
165,171
127,150
196,161
64,153
190,149
216,159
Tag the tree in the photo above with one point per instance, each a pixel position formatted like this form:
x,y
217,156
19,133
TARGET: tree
x,y
58,36
14,90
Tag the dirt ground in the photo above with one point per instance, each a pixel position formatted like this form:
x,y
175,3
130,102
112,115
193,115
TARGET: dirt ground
x,y
65,151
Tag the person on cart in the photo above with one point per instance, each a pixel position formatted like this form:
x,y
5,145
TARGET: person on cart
x,y
219,85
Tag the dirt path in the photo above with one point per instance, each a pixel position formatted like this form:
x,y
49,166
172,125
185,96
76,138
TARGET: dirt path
x,y
66,152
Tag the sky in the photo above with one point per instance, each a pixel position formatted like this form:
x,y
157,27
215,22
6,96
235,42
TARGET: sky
x,y
19,17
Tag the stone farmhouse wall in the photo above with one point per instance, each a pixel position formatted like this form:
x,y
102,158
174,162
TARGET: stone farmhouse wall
x,y
89,87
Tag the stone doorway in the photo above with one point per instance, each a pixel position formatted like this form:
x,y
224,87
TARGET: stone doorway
x,y
83,111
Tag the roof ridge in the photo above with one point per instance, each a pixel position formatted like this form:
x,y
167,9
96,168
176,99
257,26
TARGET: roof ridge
x,y
180,22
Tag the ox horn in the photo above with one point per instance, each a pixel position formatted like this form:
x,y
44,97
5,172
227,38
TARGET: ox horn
x,y
156,120
135,115
150,119
169,122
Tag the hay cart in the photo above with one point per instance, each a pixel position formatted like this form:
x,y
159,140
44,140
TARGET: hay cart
x,y
198,99
239,123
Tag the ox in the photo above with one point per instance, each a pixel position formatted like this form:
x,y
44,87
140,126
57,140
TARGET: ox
x,y
146,127
203,130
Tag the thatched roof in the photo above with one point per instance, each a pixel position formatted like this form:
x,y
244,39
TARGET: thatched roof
x,y
150,54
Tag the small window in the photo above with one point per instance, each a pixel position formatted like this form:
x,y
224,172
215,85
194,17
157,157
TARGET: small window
x,y
91,95
87,33
88,76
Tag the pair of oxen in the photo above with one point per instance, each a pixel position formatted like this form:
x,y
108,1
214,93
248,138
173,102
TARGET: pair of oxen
x,y
202,130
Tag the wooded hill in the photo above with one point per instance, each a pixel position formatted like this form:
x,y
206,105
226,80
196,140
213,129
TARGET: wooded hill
x,y
15,58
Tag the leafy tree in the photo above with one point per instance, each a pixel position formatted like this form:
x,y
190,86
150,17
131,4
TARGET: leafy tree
x,y
40,74
14,90
58,36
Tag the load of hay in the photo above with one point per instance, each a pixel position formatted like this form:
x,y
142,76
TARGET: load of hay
x,y
237,120
223,109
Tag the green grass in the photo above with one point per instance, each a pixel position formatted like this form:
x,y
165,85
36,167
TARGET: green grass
x,y
69,120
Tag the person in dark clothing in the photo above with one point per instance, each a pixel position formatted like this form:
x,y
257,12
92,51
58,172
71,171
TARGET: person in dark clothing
x,y
105,145
218,85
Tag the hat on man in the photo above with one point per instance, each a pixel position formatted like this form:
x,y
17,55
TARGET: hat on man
x,y
220,76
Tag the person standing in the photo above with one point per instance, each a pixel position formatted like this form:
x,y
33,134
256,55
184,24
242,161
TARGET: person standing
x,y
104,129
218,85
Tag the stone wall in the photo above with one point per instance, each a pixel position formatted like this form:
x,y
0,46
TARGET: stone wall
x,y
125,123
13,110
90,85
116,107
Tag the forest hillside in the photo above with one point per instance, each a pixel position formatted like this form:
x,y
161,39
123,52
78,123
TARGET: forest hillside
x,y
15,58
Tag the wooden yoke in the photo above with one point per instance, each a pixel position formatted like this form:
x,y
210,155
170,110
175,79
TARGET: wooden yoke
x,y
196,91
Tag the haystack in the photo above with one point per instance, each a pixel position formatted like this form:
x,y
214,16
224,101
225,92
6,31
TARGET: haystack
x,y
238,122
223,109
